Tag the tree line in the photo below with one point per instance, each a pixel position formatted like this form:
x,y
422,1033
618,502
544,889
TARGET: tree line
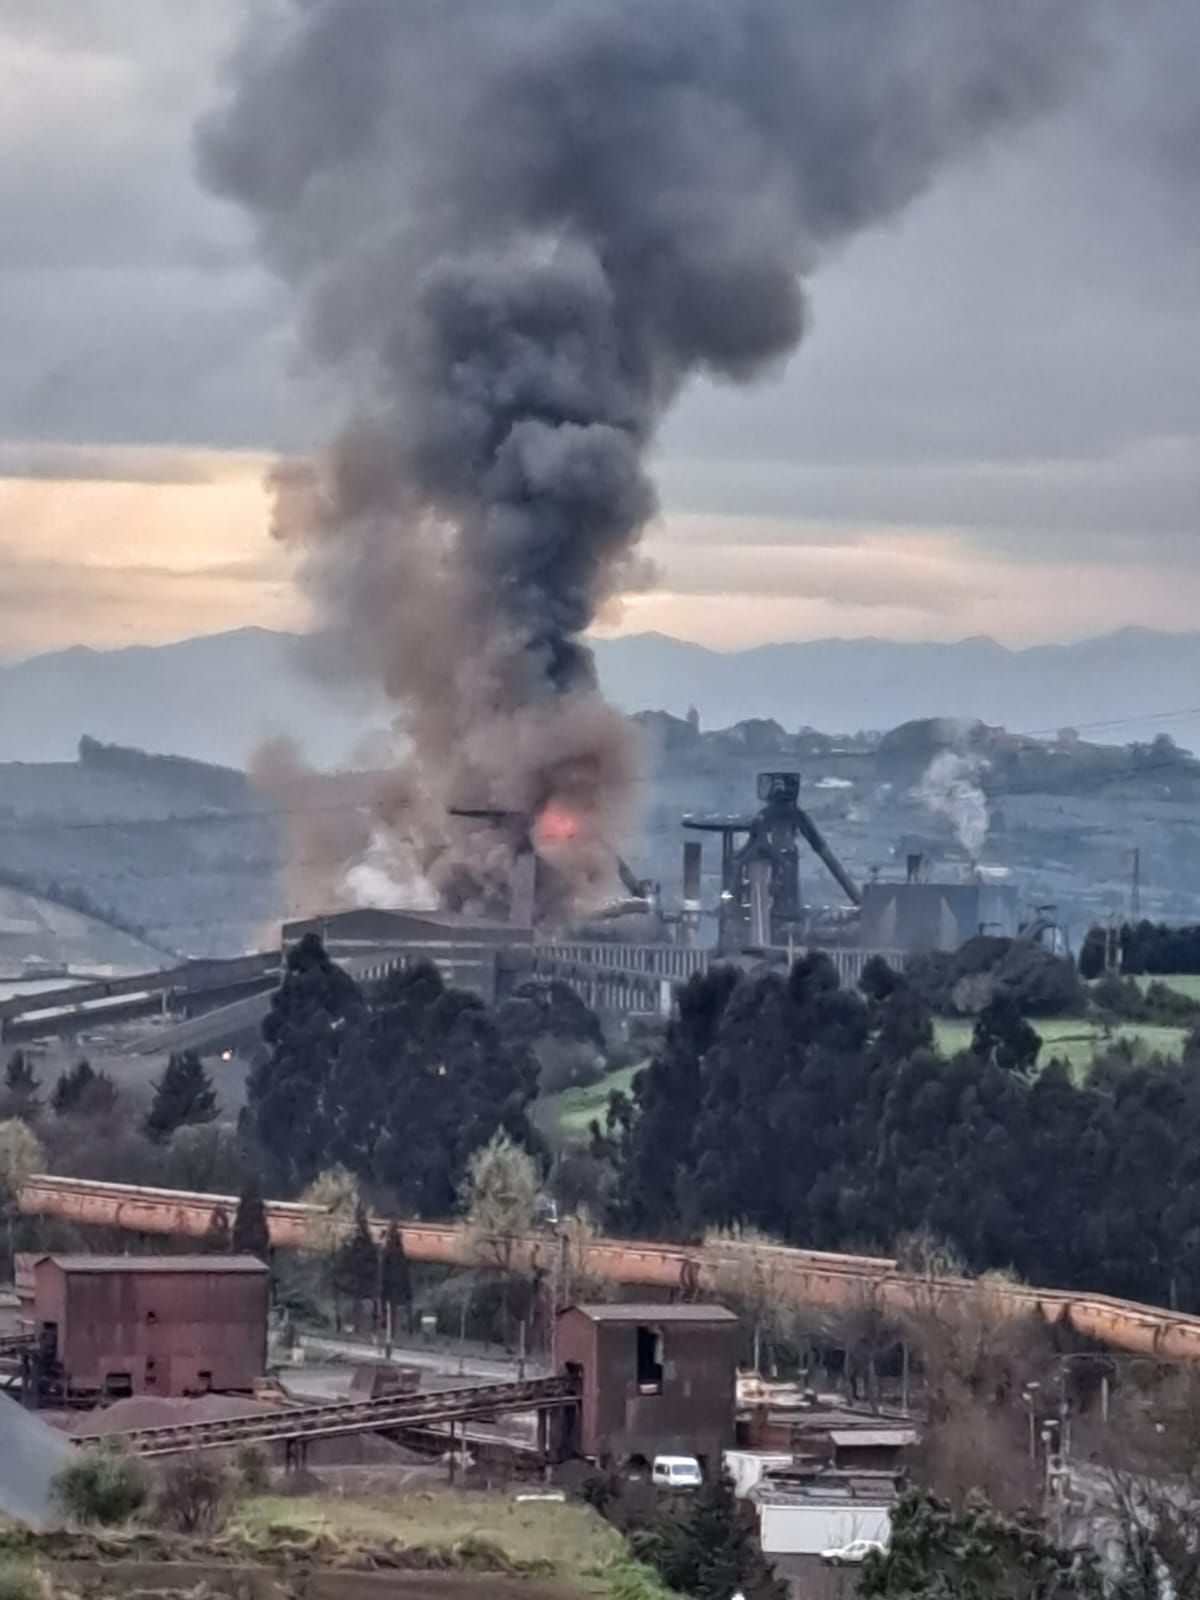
x,y
1144,947
823,1117
819,1115
782,1103
398,1085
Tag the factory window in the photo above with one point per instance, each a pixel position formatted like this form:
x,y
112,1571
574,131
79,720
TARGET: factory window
x,y
649,1361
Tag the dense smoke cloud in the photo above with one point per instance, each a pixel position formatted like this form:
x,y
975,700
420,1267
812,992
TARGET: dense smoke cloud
x,y
516,228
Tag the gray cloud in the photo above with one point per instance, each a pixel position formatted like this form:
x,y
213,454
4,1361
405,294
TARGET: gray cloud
x,y
90,463
1015,358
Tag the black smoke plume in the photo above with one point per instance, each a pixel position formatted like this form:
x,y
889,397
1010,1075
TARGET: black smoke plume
x,y
515,229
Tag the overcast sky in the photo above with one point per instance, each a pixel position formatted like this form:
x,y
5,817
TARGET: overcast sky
x,y
992,427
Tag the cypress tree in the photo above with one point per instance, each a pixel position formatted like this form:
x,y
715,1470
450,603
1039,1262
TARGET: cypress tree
x,y
81,1091
356,1263
183,1094
21,1087
251,1235
710,1553
395,1278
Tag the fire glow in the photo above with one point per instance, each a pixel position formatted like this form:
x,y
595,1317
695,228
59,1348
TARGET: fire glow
x,y
556,825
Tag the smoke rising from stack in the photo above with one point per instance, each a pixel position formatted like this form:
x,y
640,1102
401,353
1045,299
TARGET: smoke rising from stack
x,y
950,787
515,229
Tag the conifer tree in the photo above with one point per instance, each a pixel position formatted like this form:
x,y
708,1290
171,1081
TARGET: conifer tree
x,y
80,1091
21,1087
251,1235
182,1095
356,1263
395,1277
710,1553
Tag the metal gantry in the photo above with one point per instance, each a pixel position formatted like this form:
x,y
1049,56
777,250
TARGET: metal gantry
x,y
299,1424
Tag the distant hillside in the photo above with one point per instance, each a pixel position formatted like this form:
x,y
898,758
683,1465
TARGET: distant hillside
x,y
191,858
215,698
848,685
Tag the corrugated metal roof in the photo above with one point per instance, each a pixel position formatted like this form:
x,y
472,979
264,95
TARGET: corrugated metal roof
x,y
218,1264
654,1313
870,1437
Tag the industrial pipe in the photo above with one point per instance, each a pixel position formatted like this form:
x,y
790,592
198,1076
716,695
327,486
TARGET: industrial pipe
x,y
816,1278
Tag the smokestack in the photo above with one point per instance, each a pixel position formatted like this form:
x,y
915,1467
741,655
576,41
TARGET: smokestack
x,y
524,889
691,875
515,230
758,874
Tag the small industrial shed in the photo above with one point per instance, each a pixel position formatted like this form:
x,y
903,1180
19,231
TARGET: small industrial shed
x,y
656,1380
108,1326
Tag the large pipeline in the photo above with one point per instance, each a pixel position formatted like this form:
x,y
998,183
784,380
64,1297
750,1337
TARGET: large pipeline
x,y
813,1278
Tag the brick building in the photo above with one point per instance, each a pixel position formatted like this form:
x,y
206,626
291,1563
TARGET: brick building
x,y
108,1326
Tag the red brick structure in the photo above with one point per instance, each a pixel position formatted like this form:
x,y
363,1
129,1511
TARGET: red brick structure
x,y
657,1380
166,1325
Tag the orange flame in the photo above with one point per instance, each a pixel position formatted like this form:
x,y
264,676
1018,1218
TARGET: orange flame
x,y
556,824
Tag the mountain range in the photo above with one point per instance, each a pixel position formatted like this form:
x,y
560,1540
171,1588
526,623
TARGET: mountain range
x,y
215,697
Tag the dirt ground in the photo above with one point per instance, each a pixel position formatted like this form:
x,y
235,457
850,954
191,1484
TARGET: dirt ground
x,y
150,1579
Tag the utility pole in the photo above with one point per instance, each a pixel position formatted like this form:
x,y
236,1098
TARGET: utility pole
x,y
1135,887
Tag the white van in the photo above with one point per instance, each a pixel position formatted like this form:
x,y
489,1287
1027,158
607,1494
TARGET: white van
x,y
676,1472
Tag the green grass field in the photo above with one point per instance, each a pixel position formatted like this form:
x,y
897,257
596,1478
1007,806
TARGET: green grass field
x,y
574,1110
569,1544
1070,1039
1186,983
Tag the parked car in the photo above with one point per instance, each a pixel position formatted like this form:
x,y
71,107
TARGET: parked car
x,y
850,1555
676,1472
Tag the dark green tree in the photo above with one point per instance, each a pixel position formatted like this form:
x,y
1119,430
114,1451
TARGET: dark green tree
x,y
1093,954
356,1262
218,1238
450,1083
21,1087
395,1278
935,1553
80,1091
288,1112
709,1552
1003,1036
251,1235
826,1118
182,1095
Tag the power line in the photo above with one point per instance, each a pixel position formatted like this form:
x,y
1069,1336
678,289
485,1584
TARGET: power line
x,y
221,818
1109,722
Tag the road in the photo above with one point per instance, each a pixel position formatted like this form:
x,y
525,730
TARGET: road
x,y
437,1364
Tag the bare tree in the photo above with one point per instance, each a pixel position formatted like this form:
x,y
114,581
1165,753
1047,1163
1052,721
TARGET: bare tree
x,y
1142,1488
499,1198
20,1155
987,1377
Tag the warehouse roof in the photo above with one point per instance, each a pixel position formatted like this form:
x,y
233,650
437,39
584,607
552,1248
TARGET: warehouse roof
x,y
214,1263
654,1313
870,1438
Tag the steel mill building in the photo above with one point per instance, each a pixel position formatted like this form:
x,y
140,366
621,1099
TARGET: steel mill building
x,y
110,1326
656,1380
